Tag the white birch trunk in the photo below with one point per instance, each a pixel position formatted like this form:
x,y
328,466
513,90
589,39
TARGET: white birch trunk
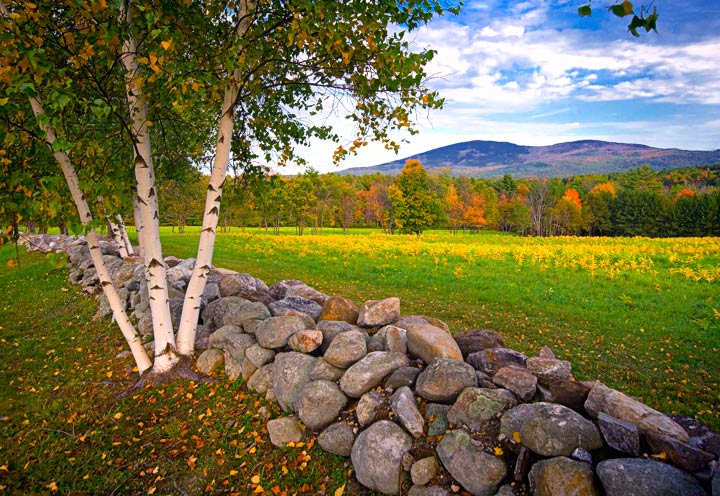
x,y
117,238
118,308
124,234
155,269
139,227
211,214
206,245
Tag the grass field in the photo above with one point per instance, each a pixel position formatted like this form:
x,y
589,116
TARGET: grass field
x,y
641,315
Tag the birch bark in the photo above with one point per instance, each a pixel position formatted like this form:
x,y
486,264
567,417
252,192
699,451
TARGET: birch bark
x,y
211,214
155,268
118,308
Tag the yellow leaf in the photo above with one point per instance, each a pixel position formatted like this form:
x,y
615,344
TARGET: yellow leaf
x,y
340,490
4,468
252,450
233,472
516,436
152,490
166,44
52,486
255,479
259,489
109,374
118,416
498,451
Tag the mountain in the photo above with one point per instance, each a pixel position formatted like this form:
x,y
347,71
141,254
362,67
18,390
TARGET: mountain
x,y
495,159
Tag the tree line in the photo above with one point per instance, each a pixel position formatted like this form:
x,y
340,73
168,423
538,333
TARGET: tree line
x,y
640,202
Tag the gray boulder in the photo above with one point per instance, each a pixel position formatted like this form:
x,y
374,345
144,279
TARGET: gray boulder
x,y
517,380
404,376
209,360
549,369
325,371
424,470
379,312
406,411
479,473
429,342
444,379
555,430
275,332
320,404
370,371
477,340
619,435
262,380
284,430
337,438
331,328
346,348
296,304
647,420
258,355
370,407
246,312
476,407
645,477
290,374
491,360
377,456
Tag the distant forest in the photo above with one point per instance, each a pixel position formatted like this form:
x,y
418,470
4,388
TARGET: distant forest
x,y
640,202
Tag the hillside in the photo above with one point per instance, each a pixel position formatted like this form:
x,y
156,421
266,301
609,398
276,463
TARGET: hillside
x,y
495,159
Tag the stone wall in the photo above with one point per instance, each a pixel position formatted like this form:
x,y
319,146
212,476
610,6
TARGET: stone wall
x,y
419,410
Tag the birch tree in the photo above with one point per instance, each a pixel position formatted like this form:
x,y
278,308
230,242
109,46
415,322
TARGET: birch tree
x,y
279,68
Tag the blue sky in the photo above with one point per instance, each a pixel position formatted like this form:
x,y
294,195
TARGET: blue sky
x,y
535,73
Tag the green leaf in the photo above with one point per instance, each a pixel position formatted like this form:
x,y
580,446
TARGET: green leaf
x,y
622,9
634,24
61,146
585,11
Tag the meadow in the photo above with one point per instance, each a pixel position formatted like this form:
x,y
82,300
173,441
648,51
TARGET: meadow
x,y
639,314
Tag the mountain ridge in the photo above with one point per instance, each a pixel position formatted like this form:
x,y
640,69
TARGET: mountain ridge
x,y
490,159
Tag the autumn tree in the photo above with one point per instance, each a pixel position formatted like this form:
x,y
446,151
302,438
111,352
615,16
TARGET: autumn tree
x,y
566,213
273,65
416,205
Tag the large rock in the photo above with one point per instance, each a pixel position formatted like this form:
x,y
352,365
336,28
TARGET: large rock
x,y
346,348
619,435
209,360
408,321
645,477
556,430
337,439
275,332
284,430
231,339
262,380
478,472
214,314
245,286
478,340
306,341
339,308
320,404
248,311
476,407
424,470
429,342
549,369
379,312
406,411
395,338
517,380
291,372
444,379
562,477
681,455
331,328
570,393
291,304
616,404
258,355
325,371
370,371
377,456
404,376
490,360
370,407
